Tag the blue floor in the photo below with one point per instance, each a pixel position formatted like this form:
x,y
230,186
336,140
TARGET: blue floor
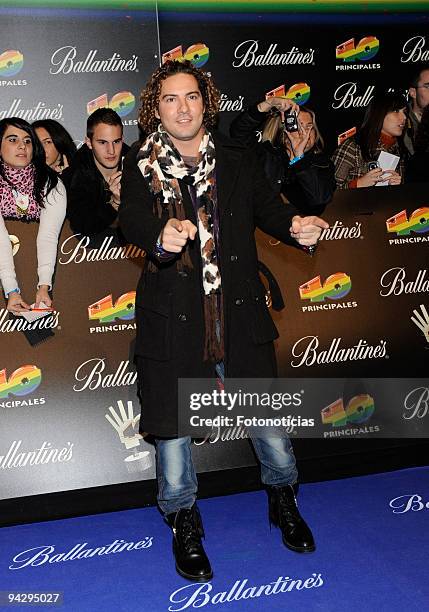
x,y
372,554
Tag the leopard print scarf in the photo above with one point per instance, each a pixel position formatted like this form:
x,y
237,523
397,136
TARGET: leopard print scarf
x,y
162,166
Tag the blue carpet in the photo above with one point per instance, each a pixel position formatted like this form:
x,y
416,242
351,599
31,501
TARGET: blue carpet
x,y
372,555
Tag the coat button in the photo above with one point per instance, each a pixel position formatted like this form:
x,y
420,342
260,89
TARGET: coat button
x,y
239,301
233,257
182,317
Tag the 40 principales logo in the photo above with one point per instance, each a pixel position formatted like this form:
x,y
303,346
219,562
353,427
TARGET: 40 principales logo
x,y
198,54
11,63
107,312
352,54
335,287
403,225
357,411
122,102
298,93
22,381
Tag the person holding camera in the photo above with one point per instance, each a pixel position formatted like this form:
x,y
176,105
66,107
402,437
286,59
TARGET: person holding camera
x,y
292,151
356,159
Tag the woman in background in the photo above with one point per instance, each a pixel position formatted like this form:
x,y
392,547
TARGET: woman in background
x,y
294,161
57,142
356,159
30,191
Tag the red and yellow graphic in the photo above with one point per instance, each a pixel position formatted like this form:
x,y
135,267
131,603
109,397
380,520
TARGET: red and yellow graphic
x,y
122,102
402,225
11,62
105,311
366,49
347,134
298,93
22,381
336,286
359,410
198,54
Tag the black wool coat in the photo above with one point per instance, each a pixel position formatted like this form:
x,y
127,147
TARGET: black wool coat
x,y
169,303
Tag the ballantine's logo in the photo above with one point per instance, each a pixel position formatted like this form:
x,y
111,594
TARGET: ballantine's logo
x,y
246,55
338,231
405,503
229,106
104,310
42,455
345,96
366,49
34,557
335,287
122,102
78,253
402,225
358,410
305,352
126,425
89,374
298,93
51,321
11,62
39,111
394,282
416,403
22,381
414,50
198,54
63,62
199,595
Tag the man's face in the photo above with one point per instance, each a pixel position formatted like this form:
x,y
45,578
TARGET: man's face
x,y
420,94
181,109
106,145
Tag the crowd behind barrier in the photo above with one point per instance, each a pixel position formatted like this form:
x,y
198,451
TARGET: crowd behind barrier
x,y
56,394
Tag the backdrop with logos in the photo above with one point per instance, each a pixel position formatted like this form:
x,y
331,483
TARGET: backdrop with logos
x,y
68,406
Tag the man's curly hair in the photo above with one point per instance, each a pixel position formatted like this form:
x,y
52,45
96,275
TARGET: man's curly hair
x,y
149,97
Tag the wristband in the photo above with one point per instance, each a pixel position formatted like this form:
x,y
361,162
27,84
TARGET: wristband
x,y
295,159
159,251
16,290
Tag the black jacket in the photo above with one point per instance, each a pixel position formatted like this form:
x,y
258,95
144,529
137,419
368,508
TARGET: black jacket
x,y
88,208
169,303
309,184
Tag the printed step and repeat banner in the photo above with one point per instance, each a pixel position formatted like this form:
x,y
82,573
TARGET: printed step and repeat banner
x,y
357,309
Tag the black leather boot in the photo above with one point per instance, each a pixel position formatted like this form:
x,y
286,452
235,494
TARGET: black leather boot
x,y
284,513
191,560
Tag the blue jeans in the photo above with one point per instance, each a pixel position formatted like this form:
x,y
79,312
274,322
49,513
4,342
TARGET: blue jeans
x,y
177,481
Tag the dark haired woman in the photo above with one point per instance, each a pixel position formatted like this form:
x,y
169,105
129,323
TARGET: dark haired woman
x,y
57,142
294,161
29,191
417,169
356,159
